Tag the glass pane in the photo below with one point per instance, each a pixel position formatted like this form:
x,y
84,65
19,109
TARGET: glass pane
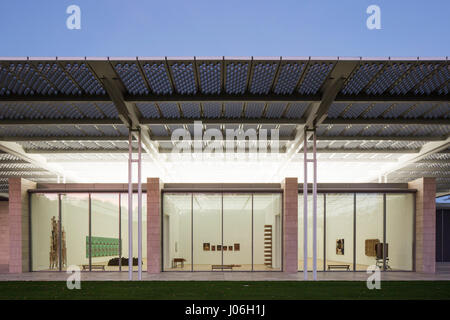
x,y
399,231
339,232
369,229
105,240
237,232
124,231
177,233
267,222
207,229
320,211
75,230
44,231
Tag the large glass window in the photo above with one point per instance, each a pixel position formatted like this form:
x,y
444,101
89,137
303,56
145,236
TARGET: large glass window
x,y
232,232
237,231
177,242
339,231
90,232
267,226
75,230
207,229
369,229
45,232
399,231
320,232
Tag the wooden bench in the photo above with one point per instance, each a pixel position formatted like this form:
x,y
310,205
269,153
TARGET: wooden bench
x,y
339,266
175,262
224,266
94,267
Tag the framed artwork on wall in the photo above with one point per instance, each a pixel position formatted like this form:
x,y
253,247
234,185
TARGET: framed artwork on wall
x,y
340,247
225,248
219,247
237,246
213,248
206,246
230,248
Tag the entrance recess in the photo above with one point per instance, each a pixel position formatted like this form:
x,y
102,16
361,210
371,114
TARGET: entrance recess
x,y
222,231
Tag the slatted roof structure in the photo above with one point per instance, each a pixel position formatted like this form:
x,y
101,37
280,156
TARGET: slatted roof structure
x,y
81,108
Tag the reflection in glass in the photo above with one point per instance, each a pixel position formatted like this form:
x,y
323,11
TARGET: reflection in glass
x,y
339,231
44,232
177,255
399,230
267,226
320,228
207,226
75,230
237,229
369,229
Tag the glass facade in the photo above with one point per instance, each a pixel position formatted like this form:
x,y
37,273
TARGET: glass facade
x,y
88,230
222,231
214,231
360,230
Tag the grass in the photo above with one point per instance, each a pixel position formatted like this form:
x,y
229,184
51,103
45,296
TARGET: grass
x,y
223,290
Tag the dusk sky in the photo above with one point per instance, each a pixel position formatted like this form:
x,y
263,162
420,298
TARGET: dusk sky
x,y
225,28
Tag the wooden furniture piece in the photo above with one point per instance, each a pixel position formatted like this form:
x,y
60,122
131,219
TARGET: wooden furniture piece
x,y
94,267
339,266
379,248
224,266
176,261
268,245
370,247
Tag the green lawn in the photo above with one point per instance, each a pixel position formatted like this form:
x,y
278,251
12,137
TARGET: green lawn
x,y
225,290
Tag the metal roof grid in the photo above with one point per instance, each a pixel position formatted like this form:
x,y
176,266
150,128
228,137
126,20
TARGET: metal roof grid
x,y
361,78
131,77
355,110
84,78
435,81
169,110
158,78
54,73
148,110
396,110
376,110
22,78
210,77
275,110
190,110
315,76
388,78
336,109
288,78
158,130
296,110
184,78
412,78
441,110
236,77
212,110
254,110
262,78
233,110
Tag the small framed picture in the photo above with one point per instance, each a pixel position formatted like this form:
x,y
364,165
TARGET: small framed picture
x,y
237,247
213,248
206,246
230,248
219,247
225,248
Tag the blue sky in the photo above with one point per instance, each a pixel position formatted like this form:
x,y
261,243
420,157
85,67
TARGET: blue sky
x,y
230,28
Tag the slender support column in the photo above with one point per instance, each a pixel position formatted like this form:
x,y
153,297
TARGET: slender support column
x,y
130,208
314,207
139,207
305,207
